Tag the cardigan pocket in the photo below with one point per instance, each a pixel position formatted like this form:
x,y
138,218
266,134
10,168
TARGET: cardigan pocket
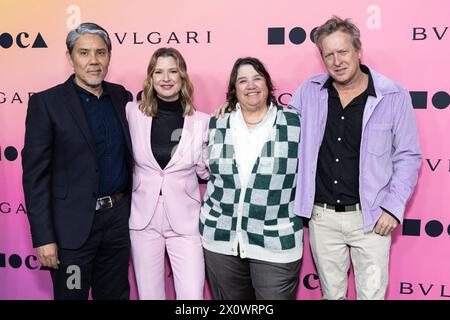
x,y
279,236
277,230
278,227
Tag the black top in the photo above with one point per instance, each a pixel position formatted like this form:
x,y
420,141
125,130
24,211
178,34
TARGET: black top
x,y
337,179
109,140
167,126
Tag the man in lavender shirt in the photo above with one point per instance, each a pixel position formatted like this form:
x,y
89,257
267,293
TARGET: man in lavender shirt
x,y
359,162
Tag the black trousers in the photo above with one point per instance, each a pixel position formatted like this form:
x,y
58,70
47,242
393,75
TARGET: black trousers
x,y
101,264
234,278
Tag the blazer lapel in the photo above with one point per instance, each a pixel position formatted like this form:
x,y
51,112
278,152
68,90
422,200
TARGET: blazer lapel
x,y
72,102
146,139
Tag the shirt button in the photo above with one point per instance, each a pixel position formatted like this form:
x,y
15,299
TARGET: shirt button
x,y
339,139
337,160
161,174
342,117
338,201
335,181
87,99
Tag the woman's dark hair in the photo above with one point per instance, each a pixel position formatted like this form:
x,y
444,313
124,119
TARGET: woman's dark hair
x,y
260,69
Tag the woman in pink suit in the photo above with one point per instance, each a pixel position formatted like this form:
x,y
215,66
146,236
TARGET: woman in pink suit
x,y
169,141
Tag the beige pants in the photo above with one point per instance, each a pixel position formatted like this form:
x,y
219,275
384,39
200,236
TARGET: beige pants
x,y
337,237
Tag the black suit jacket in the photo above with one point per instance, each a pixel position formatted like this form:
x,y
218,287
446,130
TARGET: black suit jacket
x,y
60,170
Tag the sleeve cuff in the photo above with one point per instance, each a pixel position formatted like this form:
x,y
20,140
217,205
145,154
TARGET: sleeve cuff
x,y
394,207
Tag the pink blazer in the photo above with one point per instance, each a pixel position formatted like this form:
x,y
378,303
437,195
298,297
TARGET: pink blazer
x,y
178,181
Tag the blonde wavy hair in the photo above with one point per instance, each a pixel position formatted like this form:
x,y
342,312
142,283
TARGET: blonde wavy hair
x,y
149,105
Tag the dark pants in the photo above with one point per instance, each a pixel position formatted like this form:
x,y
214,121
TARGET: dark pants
x,y
234,278
101,263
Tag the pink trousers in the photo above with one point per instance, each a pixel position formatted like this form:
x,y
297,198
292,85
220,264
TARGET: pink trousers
x,y
148,247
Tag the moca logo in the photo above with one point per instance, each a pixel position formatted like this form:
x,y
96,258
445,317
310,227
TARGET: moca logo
x,y
297,35
433,228
440,99
22,40
15,261
10,153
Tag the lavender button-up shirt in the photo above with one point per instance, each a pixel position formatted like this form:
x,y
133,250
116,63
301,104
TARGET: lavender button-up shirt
x,y
390,156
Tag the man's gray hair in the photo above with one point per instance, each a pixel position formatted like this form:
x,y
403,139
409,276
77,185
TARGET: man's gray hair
x,y
84,28
337,24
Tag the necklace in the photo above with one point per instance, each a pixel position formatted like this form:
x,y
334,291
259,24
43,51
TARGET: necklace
x,y
247,122
256,122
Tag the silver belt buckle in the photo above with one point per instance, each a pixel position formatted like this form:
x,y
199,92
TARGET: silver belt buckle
x,y
104,203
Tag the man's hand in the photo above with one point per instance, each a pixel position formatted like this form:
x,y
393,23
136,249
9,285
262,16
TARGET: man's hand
x,y
221,110
48,255
385,224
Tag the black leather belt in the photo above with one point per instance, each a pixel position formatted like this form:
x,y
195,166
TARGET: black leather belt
x,y
339,208
109,201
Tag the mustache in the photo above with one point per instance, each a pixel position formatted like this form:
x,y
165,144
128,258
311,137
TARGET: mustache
x,y
95,69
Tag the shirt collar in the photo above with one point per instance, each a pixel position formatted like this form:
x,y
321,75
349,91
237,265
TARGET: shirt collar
x,y
266,118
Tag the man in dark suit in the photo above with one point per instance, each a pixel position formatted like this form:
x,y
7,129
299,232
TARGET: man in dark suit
x,y
76,174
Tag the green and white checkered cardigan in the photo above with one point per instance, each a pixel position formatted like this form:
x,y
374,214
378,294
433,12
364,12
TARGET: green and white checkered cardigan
x,y
268,229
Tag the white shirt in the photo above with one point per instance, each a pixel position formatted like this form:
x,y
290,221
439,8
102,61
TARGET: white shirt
x,y
248,144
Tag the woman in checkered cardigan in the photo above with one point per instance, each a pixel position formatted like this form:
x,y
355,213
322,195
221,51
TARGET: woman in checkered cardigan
x,y
251,237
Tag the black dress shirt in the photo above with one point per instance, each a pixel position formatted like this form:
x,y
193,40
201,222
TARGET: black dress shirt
x,y
337,179
109,140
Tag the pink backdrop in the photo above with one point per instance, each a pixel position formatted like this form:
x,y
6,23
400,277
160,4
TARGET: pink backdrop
x,y
407,41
